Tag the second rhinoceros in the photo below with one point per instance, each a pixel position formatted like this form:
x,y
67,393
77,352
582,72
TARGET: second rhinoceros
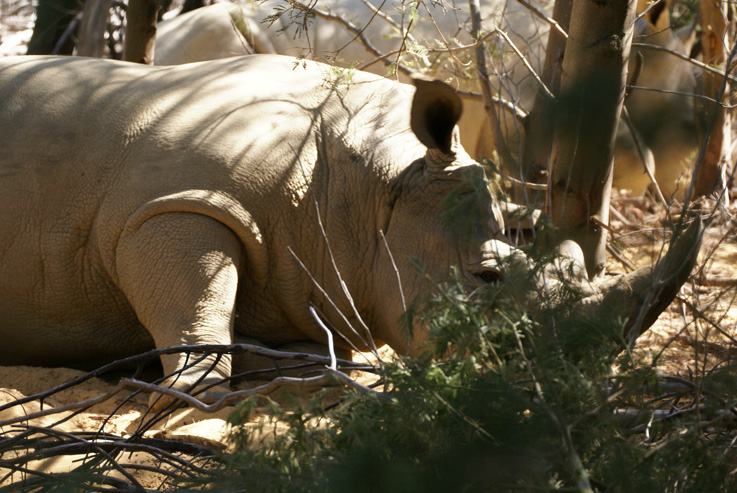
x,y
158,206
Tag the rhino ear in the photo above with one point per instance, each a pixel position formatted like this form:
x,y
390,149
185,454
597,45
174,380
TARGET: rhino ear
x,y
436,108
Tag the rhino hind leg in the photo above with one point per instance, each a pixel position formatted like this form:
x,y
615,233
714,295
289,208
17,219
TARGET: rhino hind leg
x,y
179,272
641,296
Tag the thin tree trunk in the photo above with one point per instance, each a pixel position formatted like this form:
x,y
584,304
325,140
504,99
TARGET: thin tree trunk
x,y
92,29
486,91
53,18
140,31
592,88
716,167
539,122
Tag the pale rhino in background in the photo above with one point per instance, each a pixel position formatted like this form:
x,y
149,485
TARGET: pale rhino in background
x,y
158,206
667,122
208,33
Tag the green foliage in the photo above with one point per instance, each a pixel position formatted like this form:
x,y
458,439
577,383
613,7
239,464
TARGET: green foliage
x,y
507,398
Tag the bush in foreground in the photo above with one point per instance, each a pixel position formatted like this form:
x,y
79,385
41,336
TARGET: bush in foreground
x,y
508,399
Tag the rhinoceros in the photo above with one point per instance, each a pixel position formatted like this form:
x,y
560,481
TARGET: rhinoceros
x,y
207,33
158,206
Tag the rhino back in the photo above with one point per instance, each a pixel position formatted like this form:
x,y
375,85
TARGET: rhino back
x,y
88,145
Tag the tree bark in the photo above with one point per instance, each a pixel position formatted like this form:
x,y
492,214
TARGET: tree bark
x,y
140,31
592,86
92,29
53,17
539,122
716,167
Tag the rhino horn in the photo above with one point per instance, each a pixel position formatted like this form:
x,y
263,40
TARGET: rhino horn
x,y
641,296
436,108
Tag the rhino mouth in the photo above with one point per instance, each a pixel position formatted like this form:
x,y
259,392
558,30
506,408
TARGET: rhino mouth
x,y
487,267
488,271
488,277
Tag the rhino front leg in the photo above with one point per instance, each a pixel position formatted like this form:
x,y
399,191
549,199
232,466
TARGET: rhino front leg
x,y
179,271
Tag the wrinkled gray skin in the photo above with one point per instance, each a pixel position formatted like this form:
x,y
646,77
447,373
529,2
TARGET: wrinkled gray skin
x,y
157,206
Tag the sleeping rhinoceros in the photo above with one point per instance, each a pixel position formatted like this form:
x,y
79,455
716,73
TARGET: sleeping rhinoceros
x,y
157,206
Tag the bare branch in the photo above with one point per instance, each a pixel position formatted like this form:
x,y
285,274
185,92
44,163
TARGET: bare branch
x,y
537,78
359,33
553,23
369,341
210,348
685,58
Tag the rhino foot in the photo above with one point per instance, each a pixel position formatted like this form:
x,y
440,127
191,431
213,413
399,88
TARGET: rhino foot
x,y
641,296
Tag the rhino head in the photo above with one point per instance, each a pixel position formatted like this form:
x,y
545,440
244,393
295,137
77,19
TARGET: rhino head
x,y
444,215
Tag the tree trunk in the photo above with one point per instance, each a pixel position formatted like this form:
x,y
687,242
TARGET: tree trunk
x,y
92,29
539,122
592,88
140,31
716,167
190,5
53,18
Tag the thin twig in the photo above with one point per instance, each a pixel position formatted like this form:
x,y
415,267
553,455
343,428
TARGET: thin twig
x,y
553,23
522,58
399,282
512,108
317,284
331,347
370,340
681,93
359,33
646,156
685,58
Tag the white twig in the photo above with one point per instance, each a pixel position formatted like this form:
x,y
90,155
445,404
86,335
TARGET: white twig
x,y
331,345
329,300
